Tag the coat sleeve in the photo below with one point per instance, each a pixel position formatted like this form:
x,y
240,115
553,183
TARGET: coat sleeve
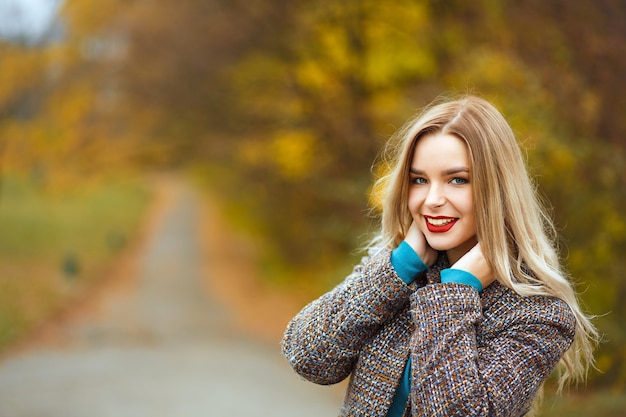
x,y
323,341
456,373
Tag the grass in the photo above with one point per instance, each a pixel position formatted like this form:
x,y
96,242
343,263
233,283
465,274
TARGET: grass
x,y
53,244
596,404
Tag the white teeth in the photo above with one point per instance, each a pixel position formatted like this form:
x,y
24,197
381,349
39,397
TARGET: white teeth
x,y
439,222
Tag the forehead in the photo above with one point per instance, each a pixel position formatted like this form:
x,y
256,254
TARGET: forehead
x,y
440,149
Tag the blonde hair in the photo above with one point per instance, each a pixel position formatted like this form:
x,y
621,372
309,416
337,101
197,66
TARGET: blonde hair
x,y
516,234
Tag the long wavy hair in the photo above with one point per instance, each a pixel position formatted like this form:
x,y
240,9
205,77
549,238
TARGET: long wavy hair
x,y
516,233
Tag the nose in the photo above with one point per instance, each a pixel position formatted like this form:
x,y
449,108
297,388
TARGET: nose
x,y
435,196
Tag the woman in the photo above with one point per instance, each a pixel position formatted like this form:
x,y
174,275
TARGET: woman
x,y
461,307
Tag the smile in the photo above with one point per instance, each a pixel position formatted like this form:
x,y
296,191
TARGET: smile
x,y
440,224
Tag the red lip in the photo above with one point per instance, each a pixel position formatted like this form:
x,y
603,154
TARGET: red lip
x,y
439,229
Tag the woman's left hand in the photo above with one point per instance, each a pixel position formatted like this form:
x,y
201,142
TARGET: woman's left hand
x,y
475,263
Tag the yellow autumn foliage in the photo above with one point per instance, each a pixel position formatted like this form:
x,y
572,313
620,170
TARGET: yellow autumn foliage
x,y
289,92
294,154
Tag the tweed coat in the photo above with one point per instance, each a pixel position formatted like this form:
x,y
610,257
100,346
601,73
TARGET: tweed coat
x,y
473,354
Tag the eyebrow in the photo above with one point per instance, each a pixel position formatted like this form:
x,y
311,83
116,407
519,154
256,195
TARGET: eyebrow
x,y
449,171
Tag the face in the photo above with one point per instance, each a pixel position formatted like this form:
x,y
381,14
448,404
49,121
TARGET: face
x,y
440,194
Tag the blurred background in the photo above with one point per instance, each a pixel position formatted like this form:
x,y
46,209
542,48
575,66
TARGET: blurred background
x,y
280,108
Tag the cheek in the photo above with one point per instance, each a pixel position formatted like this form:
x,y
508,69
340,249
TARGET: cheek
x,y
415,201
466,207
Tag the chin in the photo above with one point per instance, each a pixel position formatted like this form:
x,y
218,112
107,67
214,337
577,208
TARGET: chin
x,y
439,246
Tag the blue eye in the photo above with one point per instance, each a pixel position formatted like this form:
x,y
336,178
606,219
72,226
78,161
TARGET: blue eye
x,y
459,181
418,180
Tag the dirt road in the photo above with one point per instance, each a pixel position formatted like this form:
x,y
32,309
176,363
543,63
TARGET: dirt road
x,y
158,344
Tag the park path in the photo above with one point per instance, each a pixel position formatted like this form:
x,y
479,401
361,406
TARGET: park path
x,y
159,343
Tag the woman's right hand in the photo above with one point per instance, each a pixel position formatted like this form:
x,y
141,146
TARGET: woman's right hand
x,y
416,239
